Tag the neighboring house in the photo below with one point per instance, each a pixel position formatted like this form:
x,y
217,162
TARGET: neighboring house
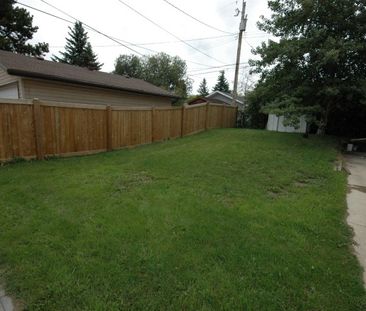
x,y
29,77
275,123
197,101
216,97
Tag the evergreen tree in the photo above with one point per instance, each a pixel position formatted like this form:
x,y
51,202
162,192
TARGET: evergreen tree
x,y
91,59
318,64
78,50
203,89
222,84
16,29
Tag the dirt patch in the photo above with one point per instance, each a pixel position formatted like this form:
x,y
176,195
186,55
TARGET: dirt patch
x,y
130,181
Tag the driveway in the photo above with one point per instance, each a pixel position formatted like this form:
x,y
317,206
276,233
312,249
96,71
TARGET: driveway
x,y
356,201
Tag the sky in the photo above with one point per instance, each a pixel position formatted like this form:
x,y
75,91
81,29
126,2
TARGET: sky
x,y
118,21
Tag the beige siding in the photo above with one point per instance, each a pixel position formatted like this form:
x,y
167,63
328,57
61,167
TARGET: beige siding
x,y
5,78
64,92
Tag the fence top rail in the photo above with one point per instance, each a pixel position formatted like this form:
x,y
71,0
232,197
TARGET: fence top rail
x,y
125,108
195,106
223,105
15,101
168,108
71,105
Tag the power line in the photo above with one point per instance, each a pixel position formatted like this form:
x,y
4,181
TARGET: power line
x,y
71,22
167,31
209,72
196,19
112,38
228,65
94,29
188,40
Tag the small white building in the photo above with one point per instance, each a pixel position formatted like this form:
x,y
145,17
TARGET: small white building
x,y
275,123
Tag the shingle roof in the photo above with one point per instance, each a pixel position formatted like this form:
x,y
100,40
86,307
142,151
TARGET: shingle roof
x,y
20,65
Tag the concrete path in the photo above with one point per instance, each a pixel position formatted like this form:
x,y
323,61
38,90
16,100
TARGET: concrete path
x,y
356,201
5,302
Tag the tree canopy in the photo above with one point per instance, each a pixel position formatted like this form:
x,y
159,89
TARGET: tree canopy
x,y
163,70
203,89
78,50
222,84
318,63
16,28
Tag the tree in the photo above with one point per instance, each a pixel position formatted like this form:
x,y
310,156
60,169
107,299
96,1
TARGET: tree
x,y
78,51
161,69
222,84
16,29
318,64
129,65
203,89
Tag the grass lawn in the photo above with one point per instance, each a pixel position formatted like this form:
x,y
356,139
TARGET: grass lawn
x,y
224,220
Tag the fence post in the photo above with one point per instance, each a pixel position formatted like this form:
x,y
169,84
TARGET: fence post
x,y
207,115
153,124
183,114
38,128
236,116
109,128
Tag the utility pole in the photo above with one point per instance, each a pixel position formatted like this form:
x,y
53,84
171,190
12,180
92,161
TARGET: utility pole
x,y
242,28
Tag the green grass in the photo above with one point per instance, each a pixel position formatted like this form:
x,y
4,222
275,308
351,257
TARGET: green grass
x,y
224,220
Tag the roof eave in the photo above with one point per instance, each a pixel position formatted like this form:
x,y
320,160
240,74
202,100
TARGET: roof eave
x,y
28,74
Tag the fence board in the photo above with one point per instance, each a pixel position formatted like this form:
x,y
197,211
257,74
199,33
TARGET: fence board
x,y
167,123
62,129
131,127
70,130
16,131
195,119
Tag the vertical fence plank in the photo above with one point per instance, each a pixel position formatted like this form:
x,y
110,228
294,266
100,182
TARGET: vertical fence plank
x,y
183,113
109,128
153,122
38,126
207,116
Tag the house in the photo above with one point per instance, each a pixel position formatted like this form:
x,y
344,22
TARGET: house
x,y
29,77
275,123
197,101
216,97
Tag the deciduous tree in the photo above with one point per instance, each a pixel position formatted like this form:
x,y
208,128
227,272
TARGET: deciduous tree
x,y
317,65
163,70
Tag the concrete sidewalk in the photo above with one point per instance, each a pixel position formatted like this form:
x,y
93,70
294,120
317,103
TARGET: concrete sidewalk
x,y
5,302
356,201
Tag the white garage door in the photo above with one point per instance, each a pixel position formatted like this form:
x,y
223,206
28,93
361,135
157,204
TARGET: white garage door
x,y
9,91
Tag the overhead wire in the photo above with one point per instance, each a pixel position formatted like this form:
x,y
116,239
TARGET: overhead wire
x,y
169,32
196,19
94,29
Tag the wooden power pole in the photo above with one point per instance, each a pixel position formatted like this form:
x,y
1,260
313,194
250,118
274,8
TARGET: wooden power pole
x,y
242,28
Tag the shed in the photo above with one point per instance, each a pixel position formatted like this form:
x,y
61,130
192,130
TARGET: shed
x,y
275,123
28,77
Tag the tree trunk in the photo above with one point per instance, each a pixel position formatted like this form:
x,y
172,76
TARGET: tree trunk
x,y
324,120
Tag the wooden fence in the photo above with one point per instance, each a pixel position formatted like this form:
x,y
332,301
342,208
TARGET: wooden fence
x,y
33,129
